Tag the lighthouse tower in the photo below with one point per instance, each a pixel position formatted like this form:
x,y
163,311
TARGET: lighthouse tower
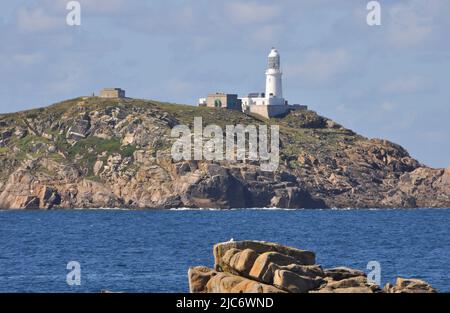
x,y
270,103
273,76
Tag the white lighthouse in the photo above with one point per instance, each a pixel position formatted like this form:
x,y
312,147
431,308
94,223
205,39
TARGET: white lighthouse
x,y
266,104
274,87
272,100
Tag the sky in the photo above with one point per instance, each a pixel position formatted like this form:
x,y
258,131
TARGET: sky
x,y
388,81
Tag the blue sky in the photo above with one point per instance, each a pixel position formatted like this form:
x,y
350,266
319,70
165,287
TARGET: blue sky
x,y
389,81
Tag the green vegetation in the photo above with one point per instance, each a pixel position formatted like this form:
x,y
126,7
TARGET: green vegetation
x,y
127,151
99,145
88,149
25,143
185,115
301,131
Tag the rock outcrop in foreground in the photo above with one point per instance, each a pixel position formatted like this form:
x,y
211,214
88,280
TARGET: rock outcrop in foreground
x,y
106,153
263,267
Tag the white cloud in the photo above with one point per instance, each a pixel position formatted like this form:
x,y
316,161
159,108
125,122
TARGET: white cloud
x,y
251,12
27,59
388,106
51,14
410,24
37,19
69,76
104,6
320,67
410,84
388,116
179,86
266,36
437,136
91,6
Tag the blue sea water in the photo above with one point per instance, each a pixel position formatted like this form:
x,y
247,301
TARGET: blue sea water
x,y
150,251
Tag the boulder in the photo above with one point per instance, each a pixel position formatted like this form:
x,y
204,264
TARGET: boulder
x,y
294,198
339,273
52,149
310,271
48,197
357,284
301,257
240,262
198,278
292,282
31,202
359,281
97,167
6,134
404,285
218,189
445,179
260,269
78,130
306,270
228,283
344,290
264,267
20,133
250,286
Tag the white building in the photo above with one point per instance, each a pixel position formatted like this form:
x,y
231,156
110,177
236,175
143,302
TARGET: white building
x,y
274,88
271,102
202,102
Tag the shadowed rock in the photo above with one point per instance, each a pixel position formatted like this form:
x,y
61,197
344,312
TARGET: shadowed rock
x,y
259,247
264,267
203,279
339,273
403,285
292,282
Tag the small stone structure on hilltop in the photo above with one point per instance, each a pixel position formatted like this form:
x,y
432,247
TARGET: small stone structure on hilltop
x,y
112,93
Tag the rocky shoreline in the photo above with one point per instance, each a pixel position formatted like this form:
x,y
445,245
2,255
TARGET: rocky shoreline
x,y
90,152
264,267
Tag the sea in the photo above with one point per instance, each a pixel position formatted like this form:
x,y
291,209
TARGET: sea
x,y
151,250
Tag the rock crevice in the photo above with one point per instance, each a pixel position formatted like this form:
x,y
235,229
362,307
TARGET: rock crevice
x,y
264,267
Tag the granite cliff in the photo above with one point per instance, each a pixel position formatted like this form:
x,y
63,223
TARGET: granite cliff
x,y
90,152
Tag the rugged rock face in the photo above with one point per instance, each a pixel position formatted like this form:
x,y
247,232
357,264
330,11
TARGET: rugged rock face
x,y
91,152
263,267
409,286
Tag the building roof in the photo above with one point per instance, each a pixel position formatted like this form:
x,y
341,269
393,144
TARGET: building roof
x,y
221,94
112,89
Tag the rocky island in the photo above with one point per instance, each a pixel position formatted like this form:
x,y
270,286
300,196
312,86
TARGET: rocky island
x,y
264,267
91,152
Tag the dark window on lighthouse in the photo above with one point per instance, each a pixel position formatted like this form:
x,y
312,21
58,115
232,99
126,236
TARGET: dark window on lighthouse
x,y
273,63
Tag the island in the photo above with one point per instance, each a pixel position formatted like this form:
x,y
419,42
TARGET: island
x,y
115,152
